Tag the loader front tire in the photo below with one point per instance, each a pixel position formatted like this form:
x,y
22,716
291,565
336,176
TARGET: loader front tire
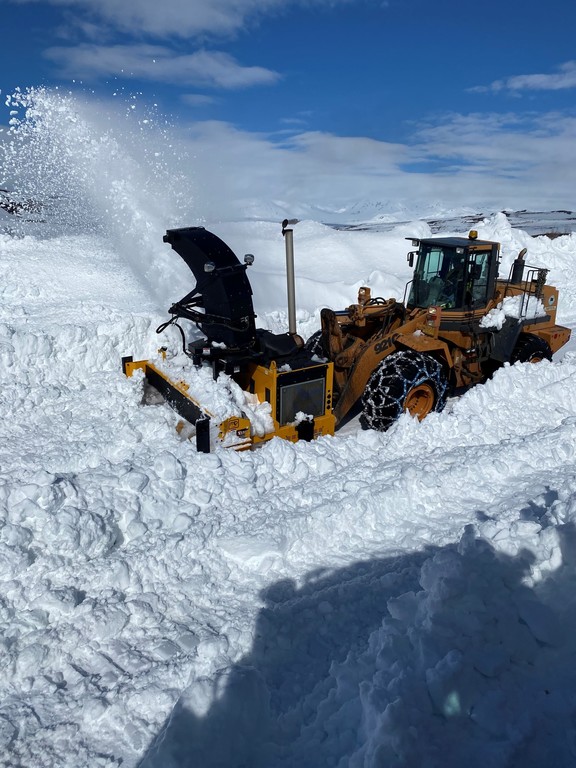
x,y
405,381
530,349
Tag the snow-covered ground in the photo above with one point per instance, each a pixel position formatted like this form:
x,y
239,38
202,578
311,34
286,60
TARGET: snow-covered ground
x,y
400,599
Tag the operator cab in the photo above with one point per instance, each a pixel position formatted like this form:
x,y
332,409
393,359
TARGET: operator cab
x,y
453,273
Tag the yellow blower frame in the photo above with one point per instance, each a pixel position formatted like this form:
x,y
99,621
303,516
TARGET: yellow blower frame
x,y
301,387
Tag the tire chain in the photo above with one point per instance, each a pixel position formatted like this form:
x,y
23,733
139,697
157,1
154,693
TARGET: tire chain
x,y
385,393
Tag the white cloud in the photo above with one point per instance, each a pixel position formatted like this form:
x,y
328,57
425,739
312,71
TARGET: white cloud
x,y
154,62
482,162
523,160
307,170
182,18
565,78
144,22
511,143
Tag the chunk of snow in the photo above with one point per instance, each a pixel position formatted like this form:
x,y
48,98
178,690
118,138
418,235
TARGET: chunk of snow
x,y
525,307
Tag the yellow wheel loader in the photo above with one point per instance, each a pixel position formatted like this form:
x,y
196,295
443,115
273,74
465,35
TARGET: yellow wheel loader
x,y
458,323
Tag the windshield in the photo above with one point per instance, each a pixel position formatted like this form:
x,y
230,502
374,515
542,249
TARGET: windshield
x,y
439,277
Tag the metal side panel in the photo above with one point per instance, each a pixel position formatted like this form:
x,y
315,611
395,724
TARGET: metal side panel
x,y
184,405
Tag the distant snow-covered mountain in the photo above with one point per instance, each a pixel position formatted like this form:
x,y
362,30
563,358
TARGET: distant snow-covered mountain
x,y
384,215
552,223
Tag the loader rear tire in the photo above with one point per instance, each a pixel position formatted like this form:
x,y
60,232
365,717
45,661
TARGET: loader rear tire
x,y
530,349
404,382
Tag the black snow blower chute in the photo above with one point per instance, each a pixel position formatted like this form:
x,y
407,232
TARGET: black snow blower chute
x,y
238,385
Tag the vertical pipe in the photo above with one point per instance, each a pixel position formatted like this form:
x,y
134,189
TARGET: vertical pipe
x,y
518,267
290,279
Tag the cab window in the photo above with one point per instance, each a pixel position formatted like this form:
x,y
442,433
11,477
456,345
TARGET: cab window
x,y
478,283
439,278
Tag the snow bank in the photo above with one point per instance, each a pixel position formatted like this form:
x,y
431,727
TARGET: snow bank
x,y
360,598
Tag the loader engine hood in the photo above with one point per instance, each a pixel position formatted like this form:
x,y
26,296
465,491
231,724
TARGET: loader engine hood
x,y
221,303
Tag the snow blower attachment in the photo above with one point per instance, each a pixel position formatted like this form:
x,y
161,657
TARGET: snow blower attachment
x,y
251,384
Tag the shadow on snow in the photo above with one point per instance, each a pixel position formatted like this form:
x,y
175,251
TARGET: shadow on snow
x,y
439,658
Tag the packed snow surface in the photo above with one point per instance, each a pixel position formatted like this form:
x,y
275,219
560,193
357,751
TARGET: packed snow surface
x,y
399,599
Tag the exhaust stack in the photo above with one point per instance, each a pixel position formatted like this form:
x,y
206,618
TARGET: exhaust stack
x,y
518,267
288,233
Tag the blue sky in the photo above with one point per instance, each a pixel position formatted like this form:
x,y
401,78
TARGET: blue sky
x,y
446,101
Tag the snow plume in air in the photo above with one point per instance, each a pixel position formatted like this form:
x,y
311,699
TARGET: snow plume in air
x,y
45,163
72,167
